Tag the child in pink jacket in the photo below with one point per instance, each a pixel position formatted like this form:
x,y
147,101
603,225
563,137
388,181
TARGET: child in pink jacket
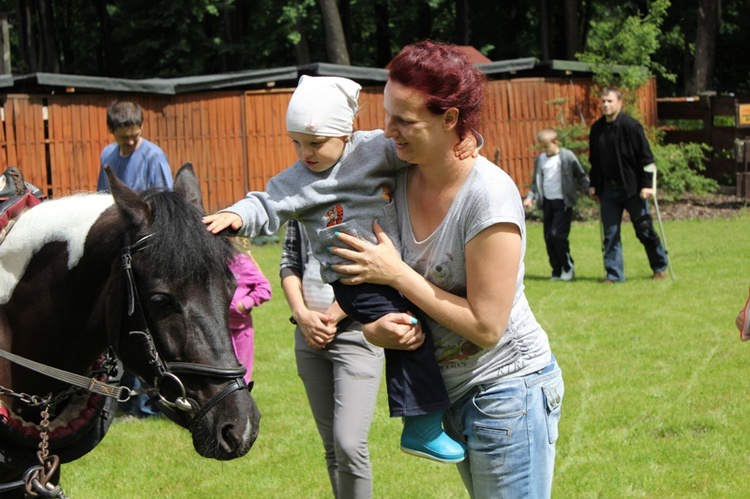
x,y
252,289
743,321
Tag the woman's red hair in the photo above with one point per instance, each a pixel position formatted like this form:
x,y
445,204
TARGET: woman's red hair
x,y
446,77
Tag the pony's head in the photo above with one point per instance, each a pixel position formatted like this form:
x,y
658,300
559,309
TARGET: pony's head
x,y
168,315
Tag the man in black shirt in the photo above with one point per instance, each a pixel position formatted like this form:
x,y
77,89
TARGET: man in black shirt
x,y
619,151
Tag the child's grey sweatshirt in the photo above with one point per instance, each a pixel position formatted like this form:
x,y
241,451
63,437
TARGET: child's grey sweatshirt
x,y
345,198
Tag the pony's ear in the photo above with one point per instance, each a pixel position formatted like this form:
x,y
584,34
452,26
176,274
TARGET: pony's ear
x,y
186,183
130,206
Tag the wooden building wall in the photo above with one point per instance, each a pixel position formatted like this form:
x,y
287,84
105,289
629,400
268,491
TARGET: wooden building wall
x,y
237,140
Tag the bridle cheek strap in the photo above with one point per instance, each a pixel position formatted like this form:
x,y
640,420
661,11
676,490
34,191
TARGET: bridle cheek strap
x,y
127,267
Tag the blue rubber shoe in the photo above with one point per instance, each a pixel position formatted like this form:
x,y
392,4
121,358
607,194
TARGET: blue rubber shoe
x,y
423,436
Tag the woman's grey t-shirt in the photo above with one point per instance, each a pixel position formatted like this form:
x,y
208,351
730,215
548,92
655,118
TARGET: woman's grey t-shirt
x,y
488,197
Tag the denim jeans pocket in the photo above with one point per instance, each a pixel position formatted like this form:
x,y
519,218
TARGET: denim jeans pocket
x,y
553,392
499,421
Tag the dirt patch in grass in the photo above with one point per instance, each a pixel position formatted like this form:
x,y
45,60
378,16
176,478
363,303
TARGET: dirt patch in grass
x,y
690,206
703,207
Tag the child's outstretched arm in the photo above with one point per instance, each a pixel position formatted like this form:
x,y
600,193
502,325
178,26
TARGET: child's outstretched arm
x,y
220,221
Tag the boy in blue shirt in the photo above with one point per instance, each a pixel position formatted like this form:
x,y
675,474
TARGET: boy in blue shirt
x,y
134,160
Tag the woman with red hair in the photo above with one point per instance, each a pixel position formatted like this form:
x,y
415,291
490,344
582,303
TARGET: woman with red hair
x,y
463,239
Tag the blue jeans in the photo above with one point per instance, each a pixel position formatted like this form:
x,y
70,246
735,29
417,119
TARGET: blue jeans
x,y
612,202
510,431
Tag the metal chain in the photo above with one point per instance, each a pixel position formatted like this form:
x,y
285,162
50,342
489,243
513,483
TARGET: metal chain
x,y
44,435
37,401
38,478
108,367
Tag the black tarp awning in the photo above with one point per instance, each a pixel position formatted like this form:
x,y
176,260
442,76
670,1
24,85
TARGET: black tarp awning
x,y
283,77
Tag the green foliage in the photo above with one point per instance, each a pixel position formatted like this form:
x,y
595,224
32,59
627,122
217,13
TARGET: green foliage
x,y
136,23
572,134
682,124
725,121
679,169
619,37
158,38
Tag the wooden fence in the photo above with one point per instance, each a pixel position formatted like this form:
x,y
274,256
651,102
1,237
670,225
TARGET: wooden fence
x,y
237,140
714,121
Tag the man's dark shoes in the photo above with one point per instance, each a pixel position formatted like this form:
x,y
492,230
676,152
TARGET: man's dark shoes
x,y
658,276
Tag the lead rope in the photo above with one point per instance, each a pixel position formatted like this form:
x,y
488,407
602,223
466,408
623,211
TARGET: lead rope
x,y
38,478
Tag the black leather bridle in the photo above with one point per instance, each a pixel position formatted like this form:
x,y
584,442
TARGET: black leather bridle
x,y
168,371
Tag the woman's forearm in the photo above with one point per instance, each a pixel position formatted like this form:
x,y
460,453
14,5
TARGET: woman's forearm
x,y
292,288
452,311
492,259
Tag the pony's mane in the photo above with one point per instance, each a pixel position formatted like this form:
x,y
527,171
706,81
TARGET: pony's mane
x,y
182,248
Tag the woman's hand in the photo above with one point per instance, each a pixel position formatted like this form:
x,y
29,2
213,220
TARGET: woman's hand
x,y
395,330
374,263
318,329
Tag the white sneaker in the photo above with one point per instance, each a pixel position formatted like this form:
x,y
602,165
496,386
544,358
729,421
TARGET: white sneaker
x,y
567,275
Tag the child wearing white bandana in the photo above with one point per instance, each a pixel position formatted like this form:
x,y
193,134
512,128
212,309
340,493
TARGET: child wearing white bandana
x,y
343,181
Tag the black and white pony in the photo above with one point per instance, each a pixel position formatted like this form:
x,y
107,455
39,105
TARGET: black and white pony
x,y
88,279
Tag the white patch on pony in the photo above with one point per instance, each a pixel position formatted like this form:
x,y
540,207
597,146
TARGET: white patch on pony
x,y
66,219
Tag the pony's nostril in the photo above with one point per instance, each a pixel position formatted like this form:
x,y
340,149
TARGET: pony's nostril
x,y
230,441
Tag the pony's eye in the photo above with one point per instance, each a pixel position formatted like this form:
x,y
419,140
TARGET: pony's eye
x,y
163,302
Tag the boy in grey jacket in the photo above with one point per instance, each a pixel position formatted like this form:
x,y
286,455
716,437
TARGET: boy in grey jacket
x,y
557,173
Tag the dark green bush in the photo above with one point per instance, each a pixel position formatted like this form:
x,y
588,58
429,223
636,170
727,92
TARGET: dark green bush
x,y
679,168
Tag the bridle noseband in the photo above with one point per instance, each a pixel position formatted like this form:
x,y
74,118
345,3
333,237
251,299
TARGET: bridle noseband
x,y
167,371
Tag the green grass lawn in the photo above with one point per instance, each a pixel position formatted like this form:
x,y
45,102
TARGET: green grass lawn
x,y
656,403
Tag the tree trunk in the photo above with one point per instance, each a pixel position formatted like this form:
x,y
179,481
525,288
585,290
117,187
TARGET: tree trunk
x,y
301,49
50,55
26,49
462,22
334,31
36,34
345,13
108,57
705,46
424,20
544,29
235,15
382,34
573,34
